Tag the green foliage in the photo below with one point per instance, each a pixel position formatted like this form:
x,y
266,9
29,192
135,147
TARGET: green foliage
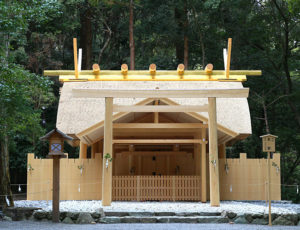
x,y
23,95
265,36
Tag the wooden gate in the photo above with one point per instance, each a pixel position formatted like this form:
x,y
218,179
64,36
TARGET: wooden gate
x,y
142,188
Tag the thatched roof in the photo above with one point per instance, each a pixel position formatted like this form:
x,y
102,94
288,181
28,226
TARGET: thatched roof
x,y
78,114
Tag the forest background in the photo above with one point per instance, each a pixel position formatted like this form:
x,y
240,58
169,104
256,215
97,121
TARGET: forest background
x,y
37,34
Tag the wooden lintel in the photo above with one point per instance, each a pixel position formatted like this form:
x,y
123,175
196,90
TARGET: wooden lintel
x,y
199,93
158,141
159,125
160,108
52,73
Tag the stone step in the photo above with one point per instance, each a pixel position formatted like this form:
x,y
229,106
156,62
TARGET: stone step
x,y
124,214
164,219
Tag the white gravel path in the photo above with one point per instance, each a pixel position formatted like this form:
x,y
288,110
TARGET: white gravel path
x,y
234,206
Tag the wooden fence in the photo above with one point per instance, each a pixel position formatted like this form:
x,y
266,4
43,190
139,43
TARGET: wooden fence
x,y
241,179
142,188
246,179
75,184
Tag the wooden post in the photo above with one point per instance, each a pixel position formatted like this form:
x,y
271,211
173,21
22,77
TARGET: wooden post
x,y
228,57
156,116
107,171
94,150
130,159
75,57
213,153
203,168
269,188
139,165
222,151
197,154
55,192
173,188
138,189
83,150
168,165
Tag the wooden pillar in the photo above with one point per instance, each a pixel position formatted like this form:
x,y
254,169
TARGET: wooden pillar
x,y
269,188
140,165
168,165
94,149
55,192
197,154
213,153
130,159
156,116
222,150
100,146
203,167
83,150
107,171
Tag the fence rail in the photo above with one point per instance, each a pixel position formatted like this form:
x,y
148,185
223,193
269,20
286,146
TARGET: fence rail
x,y
142,188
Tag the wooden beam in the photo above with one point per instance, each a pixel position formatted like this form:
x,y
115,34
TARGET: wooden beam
x,y
200,93
159,125
202,119
203,167
209,68
115,117
157,141
180,69
152,70
124,69
213,153
96,70
160,108
55,73
107,169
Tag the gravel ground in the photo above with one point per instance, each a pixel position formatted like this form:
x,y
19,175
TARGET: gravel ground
x,y
259,207
23,225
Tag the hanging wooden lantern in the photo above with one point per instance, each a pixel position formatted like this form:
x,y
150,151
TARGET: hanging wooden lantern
x,y
268,143
56,140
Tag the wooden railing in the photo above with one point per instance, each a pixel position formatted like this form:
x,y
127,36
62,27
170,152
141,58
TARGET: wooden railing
x,y
141,188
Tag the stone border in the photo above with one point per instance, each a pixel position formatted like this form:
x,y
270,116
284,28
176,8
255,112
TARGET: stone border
x,y
34,214
263,219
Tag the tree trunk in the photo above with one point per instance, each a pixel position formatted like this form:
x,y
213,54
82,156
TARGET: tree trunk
x,y
131,38
5,188
185,39
186,52
105,44
178,40
86,37
202,50
266,117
